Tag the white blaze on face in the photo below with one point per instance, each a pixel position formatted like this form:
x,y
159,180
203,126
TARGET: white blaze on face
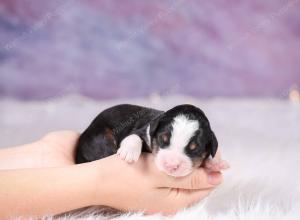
x,y
183,130
173,160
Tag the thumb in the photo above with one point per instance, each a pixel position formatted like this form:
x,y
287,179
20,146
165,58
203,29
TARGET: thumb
x,y
198,179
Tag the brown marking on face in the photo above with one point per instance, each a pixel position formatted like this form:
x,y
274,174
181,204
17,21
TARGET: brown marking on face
x,y
193,146
203,155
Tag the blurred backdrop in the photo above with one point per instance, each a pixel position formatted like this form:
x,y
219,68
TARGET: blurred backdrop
x,y
62,62
107,49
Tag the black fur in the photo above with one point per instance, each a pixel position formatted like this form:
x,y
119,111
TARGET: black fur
x,y
102,138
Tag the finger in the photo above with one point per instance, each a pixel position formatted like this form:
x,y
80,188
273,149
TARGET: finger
x,y
198,179
181,198
190,197
218,154
215,164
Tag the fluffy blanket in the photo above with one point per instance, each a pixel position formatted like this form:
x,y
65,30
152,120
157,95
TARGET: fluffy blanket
x,y
260,139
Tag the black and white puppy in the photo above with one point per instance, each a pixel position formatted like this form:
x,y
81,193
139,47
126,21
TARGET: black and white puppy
x,y
180,138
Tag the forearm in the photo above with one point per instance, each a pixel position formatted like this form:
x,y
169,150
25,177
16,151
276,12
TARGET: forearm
x,y
24,156
38,192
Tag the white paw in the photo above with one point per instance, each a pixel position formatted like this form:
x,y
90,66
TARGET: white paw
x,y
130,148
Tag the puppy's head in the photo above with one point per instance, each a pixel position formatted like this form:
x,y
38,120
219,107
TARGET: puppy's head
x,y
182,139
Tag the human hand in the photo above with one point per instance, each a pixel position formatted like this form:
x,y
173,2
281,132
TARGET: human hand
x,y
141,187
128,187
56,149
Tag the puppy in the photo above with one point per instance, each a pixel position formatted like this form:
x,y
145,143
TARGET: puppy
x,y
180,138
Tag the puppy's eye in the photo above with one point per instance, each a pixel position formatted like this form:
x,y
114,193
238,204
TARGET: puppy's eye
x,y
193,146
164,139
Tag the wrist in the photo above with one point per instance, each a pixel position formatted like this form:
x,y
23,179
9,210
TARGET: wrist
x,y
25,156
103,181
86,176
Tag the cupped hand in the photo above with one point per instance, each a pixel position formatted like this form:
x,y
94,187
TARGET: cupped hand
x,y
58,148
141,187
133,187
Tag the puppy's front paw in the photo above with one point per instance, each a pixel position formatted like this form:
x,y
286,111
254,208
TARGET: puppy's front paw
x,y
216,164
130,148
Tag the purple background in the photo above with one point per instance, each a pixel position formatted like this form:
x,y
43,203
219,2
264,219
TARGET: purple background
x,y
133,48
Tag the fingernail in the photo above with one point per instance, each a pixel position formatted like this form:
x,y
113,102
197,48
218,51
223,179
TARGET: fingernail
x,y
214,178
225,164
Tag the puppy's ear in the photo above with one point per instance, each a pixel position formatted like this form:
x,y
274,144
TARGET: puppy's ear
x,y
154,125
213,144
148,130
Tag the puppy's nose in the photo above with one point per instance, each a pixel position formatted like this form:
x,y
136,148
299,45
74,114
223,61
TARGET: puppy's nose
x,y
172,166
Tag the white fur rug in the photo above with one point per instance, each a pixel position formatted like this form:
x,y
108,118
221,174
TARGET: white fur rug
x,y
260,139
